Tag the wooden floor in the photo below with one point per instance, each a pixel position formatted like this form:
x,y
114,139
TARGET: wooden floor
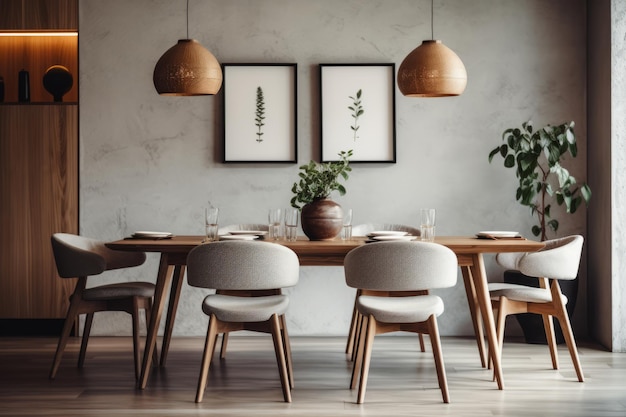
x,y
402,381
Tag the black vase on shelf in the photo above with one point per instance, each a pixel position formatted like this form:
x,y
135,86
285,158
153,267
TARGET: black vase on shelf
x,y
1,89
58,81
23,91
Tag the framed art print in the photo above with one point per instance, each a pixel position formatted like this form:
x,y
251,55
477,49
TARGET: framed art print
x,y
357,111
260,112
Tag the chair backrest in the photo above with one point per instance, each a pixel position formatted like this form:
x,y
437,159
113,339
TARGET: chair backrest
x,y
79,256
242,265
559,259
243,226
400,266
366,228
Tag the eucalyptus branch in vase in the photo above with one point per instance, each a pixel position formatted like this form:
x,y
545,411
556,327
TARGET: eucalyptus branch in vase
x,y
357,111
260,113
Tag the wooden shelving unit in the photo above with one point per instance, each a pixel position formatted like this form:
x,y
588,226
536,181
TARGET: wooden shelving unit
x,y
38,159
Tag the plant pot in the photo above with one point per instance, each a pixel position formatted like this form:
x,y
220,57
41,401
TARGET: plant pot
x,y
532,324
322,219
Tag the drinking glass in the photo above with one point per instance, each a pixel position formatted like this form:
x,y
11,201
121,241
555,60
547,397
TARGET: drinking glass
x,y
291,223
210,223
346,230
427,224
275,218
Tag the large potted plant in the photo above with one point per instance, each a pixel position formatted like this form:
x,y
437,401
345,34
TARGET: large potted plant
x,y
538,158
321,217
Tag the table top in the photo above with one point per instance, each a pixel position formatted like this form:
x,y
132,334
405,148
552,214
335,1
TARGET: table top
x,y
330,252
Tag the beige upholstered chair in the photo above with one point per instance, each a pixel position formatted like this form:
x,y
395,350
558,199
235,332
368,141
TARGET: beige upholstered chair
x,y
225,230
392,277
81,257
248,277
355,322
558,260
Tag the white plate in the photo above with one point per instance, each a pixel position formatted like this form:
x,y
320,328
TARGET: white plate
x,y
238,237
388,233
148,234
397,237
497,233
248,232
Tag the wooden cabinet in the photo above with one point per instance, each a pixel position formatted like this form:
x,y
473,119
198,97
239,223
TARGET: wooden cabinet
x,y
38,160
38,15
39,188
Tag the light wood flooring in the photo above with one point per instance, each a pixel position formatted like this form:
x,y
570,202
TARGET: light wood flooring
x,y
402,380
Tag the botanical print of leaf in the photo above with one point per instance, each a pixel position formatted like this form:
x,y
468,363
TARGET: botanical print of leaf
x,y
259,114
357,111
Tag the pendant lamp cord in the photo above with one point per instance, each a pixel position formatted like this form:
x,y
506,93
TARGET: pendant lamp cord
x,y
187,19
432,20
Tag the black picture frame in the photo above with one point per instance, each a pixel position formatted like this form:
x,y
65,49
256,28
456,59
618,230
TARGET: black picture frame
x,y
364,123
260,113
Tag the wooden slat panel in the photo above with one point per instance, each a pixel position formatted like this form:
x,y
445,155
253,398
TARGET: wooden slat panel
x,y
11,15
39,185
38,14
50,14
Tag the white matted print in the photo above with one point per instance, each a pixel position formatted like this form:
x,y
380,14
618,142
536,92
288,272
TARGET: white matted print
x,y
260,112
358,111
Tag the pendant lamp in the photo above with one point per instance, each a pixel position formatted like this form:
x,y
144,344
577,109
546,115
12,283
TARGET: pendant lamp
x,y
432,70
187,69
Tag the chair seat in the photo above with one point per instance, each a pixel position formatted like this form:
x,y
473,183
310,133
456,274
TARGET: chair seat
x,y
523,293
410,309
231,308
119,291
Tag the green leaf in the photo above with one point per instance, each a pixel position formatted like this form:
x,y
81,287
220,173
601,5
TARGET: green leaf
x,y
586,193
553,224
536,230
493,153
509,161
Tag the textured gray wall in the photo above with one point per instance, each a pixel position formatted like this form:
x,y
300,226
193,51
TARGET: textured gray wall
x,y
151,163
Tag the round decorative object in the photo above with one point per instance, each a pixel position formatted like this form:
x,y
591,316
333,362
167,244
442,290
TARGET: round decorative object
x,y
187,69
58,81
322,219
432,70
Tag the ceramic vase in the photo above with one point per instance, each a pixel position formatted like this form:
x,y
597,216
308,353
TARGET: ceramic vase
x,y
322,219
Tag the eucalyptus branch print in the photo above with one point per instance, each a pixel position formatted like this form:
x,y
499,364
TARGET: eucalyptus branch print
x,y
357,111
260,113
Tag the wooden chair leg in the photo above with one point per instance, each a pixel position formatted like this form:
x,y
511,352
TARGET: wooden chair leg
x,y
548,326
209,346
148,312
280,357
422,346
136,351
287,349
367,355
561,315
438,355
358,351
72,313
224,346
85,341
352,334
357,335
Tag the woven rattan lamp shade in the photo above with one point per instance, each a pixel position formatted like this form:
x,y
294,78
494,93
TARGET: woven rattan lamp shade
x,y
432,70
187,69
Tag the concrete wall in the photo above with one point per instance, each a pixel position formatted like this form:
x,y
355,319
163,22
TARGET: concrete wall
x,y
152,163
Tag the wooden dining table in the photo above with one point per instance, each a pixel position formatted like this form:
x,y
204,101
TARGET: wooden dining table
x,y
469,251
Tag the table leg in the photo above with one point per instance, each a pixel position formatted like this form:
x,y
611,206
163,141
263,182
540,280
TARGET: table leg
x,y
163,281
479,277
177,284
470,291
